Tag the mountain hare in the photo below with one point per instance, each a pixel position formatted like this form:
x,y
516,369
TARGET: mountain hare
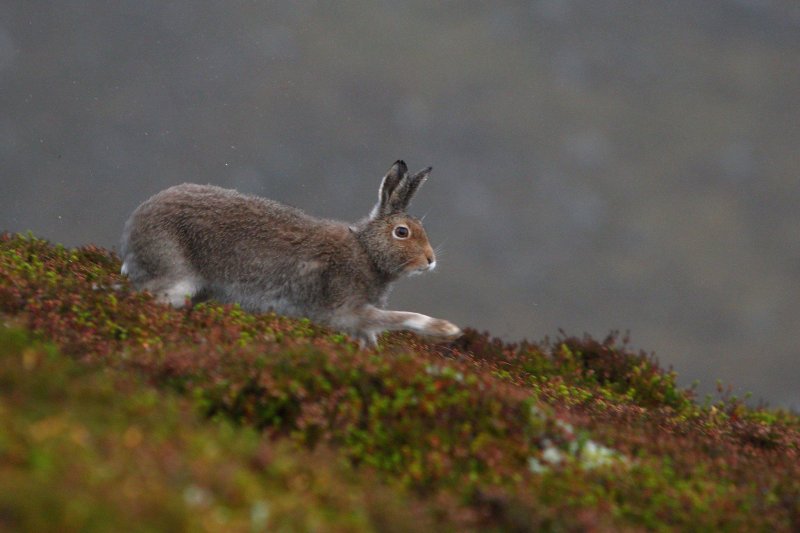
x,y
202,241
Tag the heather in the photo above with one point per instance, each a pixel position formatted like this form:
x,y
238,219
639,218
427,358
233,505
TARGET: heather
x,y
120,412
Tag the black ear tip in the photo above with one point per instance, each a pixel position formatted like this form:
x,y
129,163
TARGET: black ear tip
x,y
423,174
401,166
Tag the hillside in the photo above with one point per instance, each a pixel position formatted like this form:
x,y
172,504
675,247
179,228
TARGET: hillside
x,y
598,165
117,412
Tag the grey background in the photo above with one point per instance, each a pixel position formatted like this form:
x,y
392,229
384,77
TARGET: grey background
x,y
598,165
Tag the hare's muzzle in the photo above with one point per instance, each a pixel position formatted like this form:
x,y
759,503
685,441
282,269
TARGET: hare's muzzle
x,y
430,257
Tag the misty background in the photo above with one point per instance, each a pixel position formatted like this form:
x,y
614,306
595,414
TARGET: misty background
x,y
598,165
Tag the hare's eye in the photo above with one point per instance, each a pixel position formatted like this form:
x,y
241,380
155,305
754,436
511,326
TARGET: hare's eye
x,y
401,232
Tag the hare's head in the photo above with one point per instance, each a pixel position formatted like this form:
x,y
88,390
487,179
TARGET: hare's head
x,y
396,241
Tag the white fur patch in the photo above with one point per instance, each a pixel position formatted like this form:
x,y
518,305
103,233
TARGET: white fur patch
x,y
451,330
431,326
177,294
306,267
418,322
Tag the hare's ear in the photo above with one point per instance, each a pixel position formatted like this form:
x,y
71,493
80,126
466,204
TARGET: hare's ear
x,y
397,189
413,183
386,194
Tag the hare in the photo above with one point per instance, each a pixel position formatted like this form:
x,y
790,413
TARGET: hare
x,y
197,242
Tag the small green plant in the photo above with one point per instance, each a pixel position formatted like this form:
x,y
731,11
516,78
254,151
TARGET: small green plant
x,y
214,418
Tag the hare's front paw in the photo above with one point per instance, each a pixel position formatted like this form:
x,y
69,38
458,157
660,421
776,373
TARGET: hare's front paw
x,y
443,329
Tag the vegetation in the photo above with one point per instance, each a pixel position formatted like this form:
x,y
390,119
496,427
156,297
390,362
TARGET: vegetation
x,y
117,412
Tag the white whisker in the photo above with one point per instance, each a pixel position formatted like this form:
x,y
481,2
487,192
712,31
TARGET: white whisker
x,y
402,266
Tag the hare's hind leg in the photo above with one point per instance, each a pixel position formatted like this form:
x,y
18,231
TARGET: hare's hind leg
x,y
174,292
369,321
174,283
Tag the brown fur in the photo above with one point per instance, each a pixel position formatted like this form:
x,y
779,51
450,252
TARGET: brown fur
x,y
202,241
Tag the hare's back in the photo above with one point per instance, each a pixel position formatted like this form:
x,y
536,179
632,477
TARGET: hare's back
x,y
209,199
209,224
212,211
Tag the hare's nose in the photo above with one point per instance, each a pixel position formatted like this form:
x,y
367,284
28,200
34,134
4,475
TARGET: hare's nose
x,y
430,256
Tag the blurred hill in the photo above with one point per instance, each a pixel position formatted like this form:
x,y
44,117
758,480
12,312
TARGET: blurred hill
x,y
597,165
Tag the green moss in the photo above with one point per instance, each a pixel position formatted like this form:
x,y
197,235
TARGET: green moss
x,y
216,418
83,449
